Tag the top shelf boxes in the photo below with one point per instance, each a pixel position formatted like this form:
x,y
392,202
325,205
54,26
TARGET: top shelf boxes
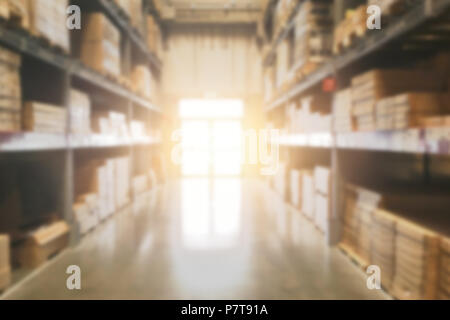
x,y
100,44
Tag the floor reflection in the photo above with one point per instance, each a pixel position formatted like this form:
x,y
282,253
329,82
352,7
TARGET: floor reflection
x,y
211,255
210,212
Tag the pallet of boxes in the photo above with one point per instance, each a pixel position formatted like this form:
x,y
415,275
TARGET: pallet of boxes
x,y
47,21
100,45
15,13
10,91
313,38
371,87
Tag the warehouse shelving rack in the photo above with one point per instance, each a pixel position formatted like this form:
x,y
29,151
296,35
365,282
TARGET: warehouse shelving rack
x,y
341,147
70,72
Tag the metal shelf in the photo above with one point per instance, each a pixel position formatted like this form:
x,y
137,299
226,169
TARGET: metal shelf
x,y
113,11
33,141
282,35
432,141
371,43
25,44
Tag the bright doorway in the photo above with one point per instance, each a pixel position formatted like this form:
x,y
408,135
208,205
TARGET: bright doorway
x,y
211,132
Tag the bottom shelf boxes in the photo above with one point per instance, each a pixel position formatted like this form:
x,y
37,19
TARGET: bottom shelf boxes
x,y
42,244
5,267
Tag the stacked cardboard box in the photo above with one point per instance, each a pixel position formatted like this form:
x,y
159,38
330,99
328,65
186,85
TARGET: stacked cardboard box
x,y
383,245
322,207
408,110
10,91
121,181
137,129
282,64
42,117
444,274
308,194
304,120
48,20
342,111
110,123
80,112
370,87
269,83
100,44
357,222
296,188
87,212
5,265
139,184
153,34
416,262
141,80
41,244
313,34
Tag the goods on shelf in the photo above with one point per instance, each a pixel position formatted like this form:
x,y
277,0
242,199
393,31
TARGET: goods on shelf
x,y
269,84
383,234
283,11
416,262
389,7
136,16
435,121
41,244
360,204
5,265
353,26
10,91
304,120
110,123
322,208
342,111
408,110
141,80
313,39
308,192
372,86
100,44
86,212
139,185
48,21
80,112
282,64
444,267
108,179
153,35
296,188
43,117
137,129
15,12
121,181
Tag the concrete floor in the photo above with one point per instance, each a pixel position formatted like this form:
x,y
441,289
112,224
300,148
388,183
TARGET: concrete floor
x,y
202,239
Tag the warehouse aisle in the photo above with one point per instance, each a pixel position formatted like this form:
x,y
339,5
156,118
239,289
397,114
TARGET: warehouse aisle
x,y
203,239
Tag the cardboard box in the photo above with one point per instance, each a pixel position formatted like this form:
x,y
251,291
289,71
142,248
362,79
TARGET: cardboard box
x,y
100,44
141,79
80,112
42,117
322,180
296,188
48,20
42,243
308,199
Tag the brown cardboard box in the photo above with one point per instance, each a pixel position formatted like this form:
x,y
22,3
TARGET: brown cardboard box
x,y
141,79
42,117
100,44
48,20
42,243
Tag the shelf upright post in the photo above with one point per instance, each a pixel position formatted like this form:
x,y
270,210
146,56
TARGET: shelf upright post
x,y
68,176
337,188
